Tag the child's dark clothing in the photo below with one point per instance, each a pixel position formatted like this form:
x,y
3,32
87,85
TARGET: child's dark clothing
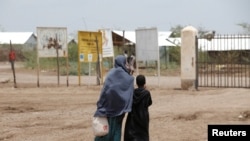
x,y
137,123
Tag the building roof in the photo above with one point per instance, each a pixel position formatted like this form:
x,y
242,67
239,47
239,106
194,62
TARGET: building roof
x,y
15,37
162,36
176,41
129,35
220,43
224,44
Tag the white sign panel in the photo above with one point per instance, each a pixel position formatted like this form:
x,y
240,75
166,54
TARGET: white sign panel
x,y
81,57
51,39
147,44
107,43
90,57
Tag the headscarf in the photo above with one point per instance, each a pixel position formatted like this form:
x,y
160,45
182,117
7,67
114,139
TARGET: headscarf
x,y
117,93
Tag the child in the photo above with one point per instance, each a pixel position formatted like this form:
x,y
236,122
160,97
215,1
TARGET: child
x,y
137,123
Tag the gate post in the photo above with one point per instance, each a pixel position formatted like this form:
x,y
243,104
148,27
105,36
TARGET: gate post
x,y
188,58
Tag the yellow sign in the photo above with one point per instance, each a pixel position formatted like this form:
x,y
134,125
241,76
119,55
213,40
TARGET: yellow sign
x,y
89,46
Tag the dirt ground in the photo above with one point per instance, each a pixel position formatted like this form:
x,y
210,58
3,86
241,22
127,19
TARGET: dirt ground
x,y
63,113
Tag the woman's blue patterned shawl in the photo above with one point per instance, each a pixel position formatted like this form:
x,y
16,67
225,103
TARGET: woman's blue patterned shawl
x,y
117,93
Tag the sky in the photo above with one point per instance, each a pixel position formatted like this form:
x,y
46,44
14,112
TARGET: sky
x,y
91,15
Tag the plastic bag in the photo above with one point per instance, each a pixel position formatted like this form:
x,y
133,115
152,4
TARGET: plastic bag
x,y
100,126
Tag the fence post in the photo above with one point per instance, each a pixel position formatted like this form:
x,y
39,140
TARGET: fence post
x,y
188,58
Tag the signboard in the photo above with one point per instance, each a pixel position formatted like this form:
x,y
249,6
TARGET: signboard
x,y
147,47
49,39
89,46
147,44
107,43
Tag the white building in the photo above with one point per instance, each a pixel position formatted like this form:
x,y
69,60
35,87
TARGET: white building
x,y
27,39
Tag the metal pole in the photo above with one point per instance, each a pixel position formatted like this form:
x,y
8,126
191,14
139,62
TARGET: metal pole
x,y
98,63
12,61
197,64
14,75
57,56
123,40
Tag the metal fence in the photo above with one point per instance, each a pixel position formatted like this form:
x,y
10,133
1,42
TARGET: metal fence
x,y
224,61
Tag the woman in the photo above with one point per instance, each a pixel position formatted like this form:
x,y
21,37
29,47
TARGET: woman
x,y
115,99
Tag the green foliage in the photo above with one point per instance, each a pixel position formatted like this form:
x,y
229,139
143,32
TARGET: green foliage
x,y
30,59
50,64
170,65
119,50
175,54
229,56
203,56
176,31
73,52
245,27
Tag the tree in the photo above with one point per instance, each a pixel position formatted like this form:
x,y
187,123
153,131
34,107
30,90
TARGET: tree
x,y
245,27
176,31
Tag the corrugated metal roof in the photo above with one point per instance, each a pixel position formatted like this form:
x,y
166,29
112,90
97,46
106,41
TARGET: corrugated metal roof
x,y
224,44
220,43
176,41
162,36
15,37
129,35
